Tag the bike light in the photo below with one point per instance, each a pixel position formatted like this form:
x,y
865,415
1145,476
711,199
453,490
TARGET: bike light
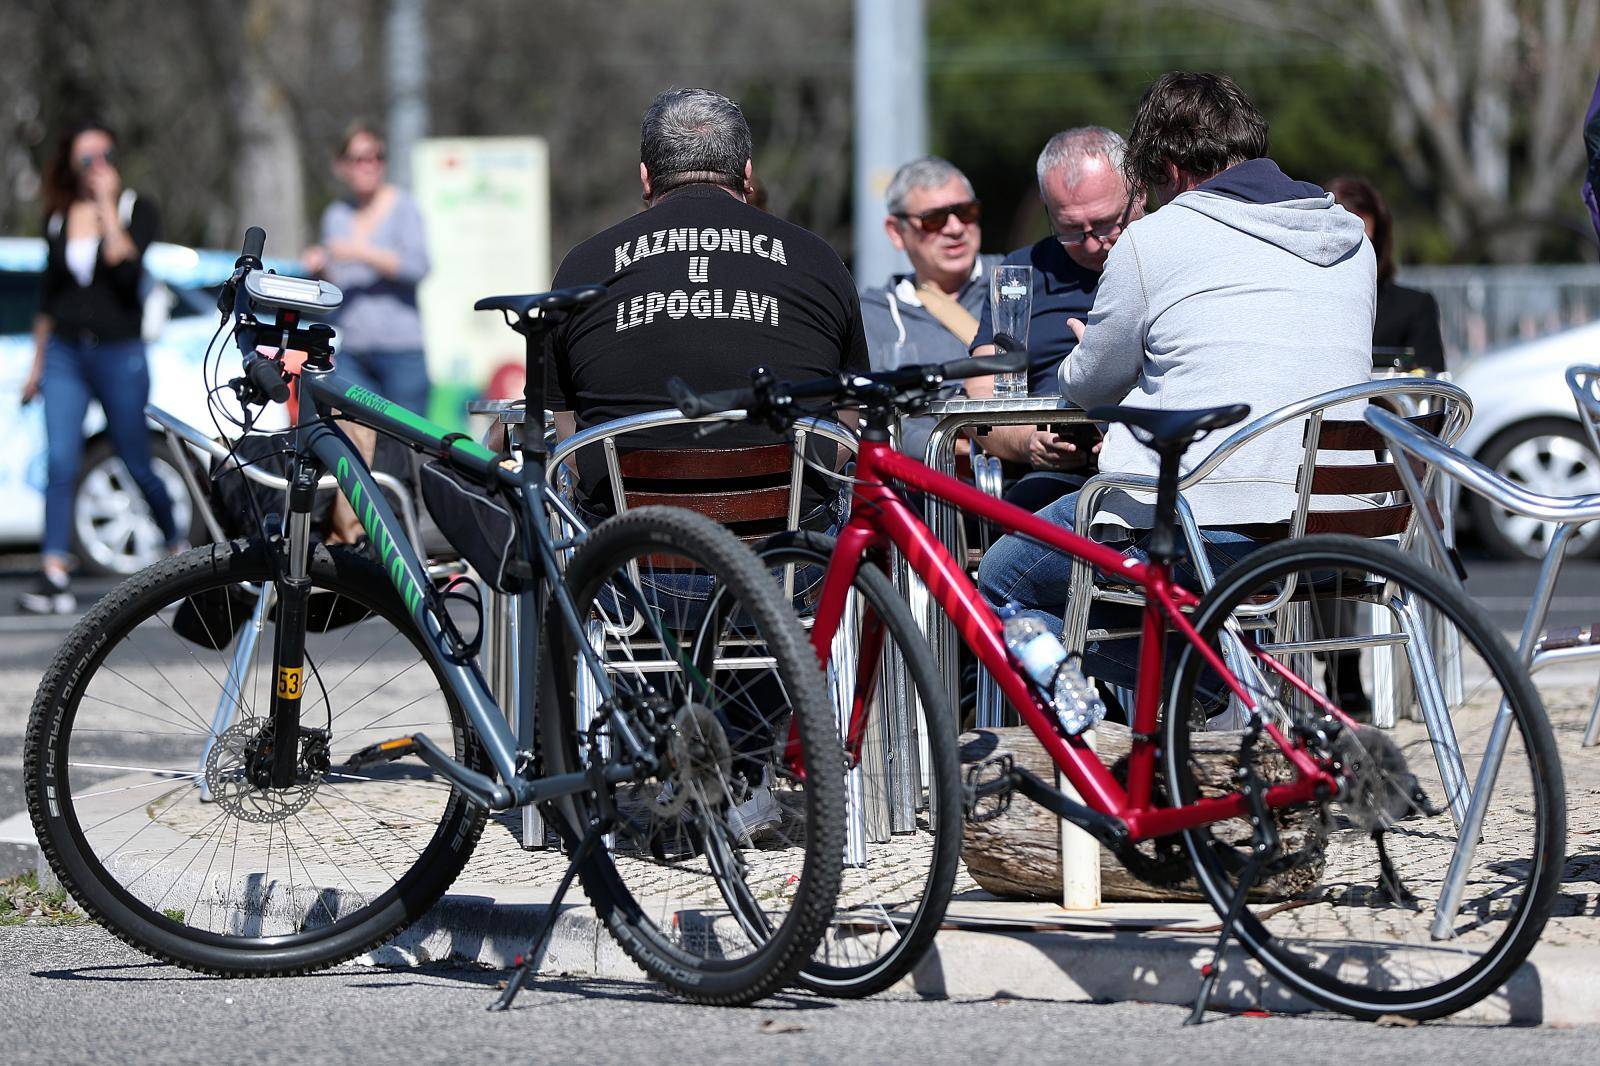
x,y
296,294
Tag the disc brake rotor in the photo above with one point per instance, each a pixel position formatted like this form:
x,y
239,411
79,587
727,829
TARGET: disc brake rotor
x,y
227,776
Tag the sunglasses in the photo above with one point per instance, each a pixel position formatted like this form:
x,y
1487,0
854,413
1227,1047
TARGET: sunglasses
x,y
370,157
1099,231
932,221
109,157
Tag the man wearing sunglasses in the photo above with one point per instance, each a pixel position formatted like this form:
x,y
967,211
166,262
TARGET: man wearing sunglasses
x,y
1087,202
931,314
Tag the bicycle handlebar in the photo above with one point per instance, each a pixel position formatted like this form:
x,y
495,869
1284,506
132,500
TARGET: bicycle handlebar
x,y
255,242
262,376
267,377
903,387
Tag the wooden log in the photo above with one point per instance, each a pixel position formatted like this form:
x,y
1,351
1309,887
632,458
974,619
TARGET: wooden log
x,y
1016,851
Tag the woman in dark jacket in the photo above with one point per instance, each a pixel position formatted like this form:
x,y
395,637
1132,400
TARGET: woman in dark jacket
x,y
1407,318
87,340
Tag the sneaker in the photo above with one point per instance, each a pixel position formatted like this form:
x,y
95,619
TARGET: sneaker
x,y
756,815
50,595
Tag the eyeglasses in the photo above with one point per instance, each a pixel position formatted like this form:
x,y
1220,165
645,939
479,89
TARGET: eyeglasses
x,y
934,219
369,157
1100,231
109,156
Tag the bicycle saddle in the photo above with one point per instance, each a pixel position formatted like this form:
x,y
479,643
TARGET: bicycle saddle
x,y
1172,429
524,304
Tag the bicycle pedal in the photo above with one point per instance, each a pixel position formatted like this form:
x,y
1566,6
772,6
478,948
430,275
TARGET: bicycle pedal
x,y
1000,785
385,751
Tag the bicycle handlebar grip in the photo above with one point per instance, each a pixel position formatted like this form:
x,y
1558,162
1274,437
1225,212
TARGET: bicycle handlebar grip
x,y
697,405
255,242
1010,358
265,374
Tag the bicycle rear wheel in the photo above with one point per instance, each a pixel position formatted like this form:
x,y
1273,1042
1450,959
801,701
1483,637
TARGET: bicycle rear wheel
x,y
904,791
139,751
1356,915
719,874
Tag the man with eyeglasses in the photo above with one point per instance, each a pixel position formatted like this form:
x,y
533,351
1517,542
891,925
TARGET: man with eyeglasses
x,y
1247,286
1087,202
931,314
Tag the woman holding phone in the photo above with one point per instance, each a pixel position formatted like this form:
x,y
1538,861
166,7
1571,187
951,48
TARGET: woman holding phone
x,y
87,340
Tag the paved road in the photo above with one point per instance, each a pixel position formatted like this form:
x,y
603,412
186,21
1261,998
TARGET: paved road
x,y
52,980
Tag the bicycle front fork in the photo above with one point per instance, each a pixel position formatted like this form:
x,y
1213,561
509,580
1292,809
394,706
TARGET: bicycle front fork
x,y
289,647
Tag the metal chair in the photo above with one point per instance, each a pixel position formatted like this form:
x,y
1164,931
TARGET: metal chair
x,y
1537,646
1391,514
769,502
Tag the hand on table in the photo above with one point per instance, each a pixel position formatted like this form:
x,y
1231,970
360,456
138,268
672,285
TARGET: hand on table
x,y
1048,451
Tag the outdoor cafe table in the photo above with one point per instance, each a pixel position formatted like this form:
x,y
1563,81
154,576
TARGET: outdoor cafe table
x,y
955,418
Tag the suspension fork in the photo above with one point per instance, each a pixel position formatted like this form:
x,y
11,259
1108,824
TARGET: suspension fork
x,y
289,641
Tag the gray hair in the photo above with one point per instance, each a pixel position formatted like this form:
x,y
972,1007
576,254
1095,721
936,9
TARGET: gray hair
x,y
694,135
1070,149
929,172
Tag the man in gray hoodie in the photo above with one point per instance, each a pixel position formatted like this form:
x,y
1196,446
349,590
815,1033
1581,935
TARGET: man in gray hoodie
x,y
1248,287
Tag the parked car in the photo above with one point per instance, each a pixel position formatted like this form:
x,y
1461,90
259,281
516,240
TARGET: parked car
x,y
1525,427
112,529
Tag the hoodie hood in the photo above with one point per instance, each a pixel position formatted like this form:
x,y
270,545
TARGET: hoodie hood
x,y
1257,198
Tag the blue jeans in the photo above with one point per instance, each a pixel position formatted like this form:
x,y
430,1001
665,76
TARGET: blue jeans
x,y
118,377
400,376
1036,577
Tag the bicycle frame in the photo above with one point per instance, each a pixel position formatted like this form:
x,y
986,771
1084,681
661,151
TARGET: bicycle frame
x,y
880,517
322,446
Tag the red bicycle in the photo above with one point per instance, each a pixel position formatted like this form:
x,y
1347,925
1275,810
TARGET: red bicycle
x,y
1330,849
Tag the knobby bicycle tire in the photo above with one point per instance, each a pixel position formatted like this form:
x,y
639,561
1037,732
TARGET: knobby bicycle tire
x,y
198,577
940,818
669,534
1283,935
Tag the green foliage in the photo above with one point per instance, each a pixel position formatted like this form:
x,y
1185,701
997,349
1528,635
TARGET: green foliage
x,y
1003,78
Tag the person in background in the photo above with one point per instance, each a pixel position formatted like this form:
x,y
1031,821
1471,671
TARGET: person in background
x,y
931,314
88,342
1087,202
1407,318
373,247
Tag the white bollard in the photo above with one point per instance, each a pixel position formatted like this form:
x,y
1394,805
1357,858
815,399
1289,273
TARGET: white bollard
x,y
1080,854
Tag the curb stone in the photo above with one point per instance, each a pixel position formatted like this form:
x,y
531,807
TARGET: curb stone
x,y
1556,986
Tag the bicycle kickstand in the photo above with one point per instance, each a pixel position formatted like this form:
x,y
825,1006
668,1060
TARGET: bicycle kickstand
x,y
1264,844
530,959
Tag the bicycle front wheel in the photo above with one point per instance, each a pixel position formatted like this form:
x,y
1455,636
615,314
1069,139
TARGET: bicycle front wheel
x,y
718,874
1422,884
904,784
148,730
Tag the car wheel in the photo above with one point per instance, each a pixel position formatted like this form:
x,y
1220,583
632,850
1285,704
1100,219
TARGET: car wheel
x,y
113,531
1547,455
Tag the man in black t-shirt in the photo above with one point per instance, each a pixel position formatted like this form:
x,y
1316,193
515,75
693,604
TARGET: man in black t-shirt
x,y
701,286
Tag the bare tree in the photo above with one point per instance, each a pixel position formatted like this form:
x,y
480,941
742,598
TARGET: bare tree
x,y
1488,99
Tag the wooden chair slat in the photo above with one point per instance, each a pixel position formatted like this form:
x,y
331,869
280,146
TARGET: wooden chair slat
x,y
1368,522
744,505
1357,436
675,464
1347,480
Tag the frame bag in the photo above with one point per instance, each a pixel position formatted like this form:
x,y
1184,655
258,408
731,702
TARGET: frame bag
x,y
480,523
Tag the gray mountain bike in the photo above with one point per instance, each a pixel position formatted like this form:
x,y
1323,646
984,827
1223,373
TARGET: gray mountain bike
x,y
351,754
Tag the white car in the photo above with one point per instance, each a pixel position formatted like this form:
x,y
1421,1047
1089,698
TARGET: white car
x,y
1525,426
112,530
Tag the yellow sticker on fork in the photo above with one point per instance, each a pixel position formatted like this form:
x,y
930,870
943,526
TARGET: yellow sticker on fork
x,y
289,682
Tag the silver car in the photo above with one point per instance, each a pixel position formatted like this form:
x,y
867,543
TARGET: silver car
x,y
1524,426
